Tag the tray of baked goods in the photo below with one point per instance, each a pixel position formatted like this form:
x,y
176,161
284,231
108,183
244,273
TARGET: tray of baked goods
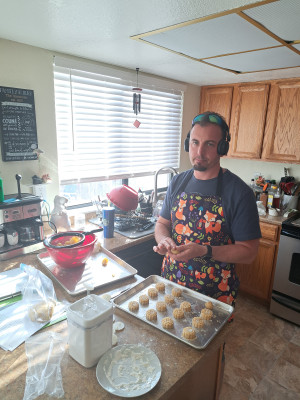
x,y
176,310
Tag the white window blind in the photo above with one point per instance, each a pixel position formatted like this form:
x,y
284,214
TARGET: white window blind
x,y
95,133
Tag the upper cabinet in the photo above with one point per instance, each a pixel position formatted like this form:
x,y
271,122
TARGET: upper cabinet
x,y
247,123
282,131
217,99
264,118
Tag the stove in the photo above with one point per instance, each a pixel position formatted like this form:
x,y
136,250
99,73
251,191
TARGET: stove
x,y
131,226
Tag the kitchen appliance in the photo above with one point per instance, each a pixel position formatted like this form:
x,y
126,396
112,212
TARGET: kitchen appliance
x,y
21,222
285,300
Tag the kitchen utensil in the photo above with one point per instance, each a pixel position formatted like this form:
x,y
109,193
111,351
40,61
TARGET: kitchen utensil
x,y
124,197
71,257
58,240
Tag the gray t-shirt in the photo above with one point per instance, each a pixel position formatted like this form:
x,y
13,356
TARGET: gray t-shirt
x,y
238,201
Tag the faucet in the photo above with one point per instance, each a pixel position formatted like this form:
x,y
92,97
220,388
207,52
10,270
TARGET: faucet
x,y
169,169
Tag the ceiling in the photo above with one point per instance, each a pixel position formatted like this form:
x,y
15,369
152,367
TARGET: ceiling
x,y
193,41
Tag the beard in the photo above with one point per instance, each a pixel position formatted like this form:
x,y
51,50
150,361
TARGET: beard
x,y
198,167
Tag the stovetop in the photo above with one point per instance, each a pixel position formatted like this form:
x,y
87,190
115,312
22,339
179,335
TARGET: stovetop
x,y
291,226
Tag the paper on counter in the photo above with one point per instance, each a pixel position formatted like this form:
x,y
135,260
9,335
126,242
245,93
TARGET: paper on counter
x,y
16,326
12,282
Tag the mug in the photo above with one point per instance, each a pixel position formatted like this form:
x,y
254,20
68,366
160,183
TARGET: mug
x,y
108,219
12,237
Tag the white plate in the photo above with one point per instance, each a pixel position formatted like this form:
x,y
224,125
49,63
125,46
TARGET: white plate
x,y
128,370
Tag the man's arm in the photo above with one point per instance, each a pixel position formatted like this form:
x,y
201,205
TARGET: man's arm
x,y
240,252
163,236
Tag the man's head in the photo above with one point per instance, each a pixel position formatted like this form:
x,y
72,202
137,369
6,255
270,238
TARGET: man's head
x,y
212,118
207,141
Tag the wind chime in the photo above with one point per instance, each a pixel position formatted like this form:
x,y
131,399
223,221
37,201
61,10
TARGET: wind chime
x,y
137,95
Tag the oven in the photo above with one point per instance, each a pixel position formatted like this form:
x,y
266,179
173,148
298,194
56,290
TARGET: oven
x,y
285,300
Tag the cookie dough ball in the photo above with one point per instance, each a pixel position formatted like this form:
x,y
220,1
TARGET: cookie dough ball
x,y
144,300
206,314
167,323
198,322
169,299
189,333
186,306
151,315
161,306
176,292
160,286
152,292
133,306
178,313
209,305
42,312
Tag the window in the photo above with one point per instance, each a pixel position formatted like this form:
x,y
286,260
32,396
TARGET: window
x,y
97,141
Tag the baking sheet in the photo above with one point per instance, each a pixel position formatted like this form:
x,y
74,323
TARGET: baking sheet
x,y
92,273
221,311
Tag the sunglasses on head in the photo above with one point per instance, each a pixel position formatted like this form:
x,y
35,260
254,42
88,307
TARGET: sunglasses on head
x,y
213,118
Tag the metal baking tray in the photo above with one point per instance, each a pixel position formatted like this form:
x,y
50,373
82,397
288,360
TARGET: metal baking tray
x,y
92,272
221,311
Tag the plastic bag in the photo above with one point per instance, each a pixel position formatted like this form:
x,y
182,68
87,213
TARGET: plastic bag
x,y
44,353
39,295
261,208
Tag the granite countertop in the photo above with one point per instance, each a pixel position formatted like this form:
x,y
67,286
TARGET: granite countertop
x,y
178,360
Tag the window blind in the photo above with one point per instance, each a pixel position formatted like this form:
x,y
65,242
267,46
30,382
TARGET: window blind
x,y
96,137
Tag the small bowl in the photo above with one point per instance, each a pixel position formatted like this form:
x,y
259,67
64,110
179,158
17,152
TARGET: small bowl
x,y
124,197
74,256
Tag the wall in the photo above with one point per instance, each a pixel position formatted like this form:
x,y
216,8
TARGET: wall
x,y
30,67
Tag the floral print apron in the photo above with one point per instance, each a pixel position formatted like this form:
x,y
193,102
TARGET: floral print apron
x,y
200,219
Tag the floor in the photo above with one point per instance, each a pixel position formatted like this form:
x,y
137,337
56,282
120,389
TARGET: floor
x,y
262,356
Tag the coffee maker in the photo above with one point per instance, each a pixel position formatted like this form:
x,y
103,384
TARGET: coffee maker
x,y
21,225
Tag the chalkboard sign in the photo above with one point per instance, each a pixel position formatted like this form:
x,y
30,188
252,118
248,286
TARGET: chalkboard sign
x,y
17,124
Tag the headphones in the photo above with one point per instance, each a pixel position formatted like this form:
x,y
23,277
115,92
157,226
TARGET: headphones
x,y
223,145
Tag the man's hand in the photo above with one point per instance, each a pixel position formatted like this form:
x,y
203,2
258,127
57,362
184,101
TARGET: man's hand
x,y
165,246
187,251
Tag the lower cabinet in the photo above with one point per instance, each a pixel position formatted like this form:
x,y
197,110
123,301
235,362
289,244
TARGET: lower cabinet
x,y
256,279
143,258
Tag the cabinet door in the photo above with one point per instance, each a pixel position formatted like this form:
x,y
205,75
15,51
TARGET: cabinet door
x,y
217,99
256,278
248,115
282,133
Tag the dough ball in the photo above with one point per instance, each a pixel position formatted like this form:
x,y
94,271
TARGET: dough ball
x,y
133,306
42,312
198,322
189,333
144,300
160,286
151,315
209,305
152,292
176,292
169,299
178,313
167,323
186,306
206,314
118,326
161,306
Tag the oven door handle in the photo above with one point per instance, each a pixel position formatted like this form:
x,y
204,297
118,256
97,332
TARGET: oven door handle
x,y
291,304
290,234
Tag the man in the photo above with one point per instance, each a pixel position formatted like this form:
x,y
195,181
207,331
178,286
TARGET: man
x,y
209,220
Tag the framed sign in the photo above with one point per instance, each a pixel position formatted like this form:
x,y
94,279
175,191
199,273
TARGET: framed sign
x,y
17,124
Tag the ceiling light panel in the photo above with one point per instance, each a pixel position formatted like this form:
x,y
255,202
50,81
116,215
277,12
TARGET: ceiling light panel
x,y
261,60
212,37
282,18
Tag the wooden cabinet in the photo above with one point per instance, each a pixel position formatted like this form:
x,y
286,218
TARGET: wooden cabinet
x,y
256,279
217,99
282,133
264,118
247,124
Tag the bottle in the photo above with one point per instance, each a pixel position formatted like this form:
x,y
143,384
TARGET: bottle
x,y
271,194
1,191
277,199
264,196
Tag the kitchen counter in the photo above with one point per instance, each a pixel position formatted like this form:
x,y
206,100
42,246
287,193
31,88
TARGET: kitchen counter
x,y
182,365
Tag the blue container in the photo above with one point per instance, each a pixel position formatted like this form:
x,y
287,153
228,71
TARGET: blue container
x,y
108,219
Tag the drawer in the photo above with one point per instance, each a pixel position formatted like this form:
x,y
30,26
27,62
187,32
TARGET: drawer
x,y
269,231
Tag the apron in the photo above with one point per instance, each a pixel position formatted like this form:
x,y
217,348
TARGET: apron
x,y
200,219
